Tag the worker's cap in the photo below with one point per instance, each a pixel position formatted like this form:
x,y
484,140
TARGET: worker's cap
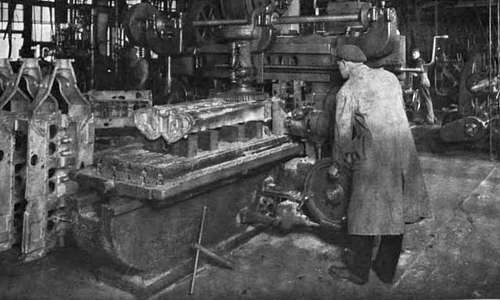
x,y
351,53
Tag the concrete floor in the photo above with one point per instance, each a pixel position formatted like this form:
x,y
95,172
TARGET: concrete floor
x,y
459,259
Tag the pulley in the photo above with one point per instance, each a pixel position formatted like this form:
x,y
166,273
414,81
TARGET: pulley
x,y
205,11
145,26
136,20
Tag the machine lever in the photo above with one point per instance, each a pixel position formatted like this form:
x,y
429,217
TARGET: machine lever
x,y
224,262
197,255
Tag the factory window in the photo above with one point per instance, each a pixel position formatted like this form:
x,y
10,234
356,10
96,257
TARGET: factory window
x,y
43,23
17,43
16,29
17,20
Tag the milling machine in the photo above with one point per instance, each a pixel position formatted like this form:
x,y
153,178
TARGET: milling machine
x,y
144,171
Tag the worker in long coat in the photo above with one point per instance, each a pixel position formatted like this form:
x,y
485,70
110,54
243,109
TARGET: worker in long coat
x,y
372,136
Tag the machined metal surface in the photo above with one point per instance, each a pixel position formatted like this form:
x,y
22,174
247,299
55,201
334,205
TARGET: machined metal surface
x,y
115,109
14,120
5,73
173,122
60,138
117,176
47,129
13,147
16,99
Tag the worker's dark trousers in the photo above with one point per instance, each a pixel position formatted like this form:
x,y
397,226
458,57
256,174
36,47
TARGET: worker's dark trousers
x,y
359,258
425,93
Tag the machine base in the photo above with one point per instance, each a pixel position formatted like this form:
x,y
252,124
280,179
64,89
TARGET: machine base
x,y
147,284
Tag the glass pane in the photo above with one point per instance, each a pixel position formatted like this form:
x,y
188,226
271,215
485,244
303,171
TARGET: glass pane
x,y
42,15
18,13
3,13
35,32
43,32
18,17
17,26
17,43
46,33
36,10
46,15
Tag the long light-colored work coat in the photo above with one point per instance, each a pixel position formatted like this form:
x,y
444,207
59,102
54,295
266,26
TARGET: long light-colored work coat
x,y
371,126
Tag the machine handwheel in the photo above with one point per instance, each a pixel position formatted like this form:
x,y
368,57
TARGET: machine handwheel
x,y
205,11
135,22
318,186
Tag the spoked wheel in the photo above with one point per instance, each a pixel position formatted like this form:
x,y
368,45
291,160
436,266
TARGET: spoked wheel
x,y
205,11
327,197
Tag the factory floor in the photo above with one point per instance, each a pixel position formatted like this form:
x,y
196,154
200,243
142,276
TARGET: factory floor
x,y
458,258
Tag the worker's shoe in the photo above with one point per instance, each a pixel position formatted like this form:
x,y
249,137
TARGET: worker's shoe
x,y
344,273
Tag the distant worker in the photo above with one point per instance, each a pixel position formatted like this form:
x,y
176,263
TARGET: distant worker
x,y
372,138
422,85
137,69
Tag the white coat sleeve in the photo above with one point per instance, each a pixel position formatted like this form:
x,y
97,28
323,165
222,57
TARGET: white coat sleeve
x,y
344,116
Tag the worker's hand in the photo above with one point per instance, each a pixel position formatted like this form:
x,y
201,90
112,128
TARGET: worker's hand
x,y
334,171
425,81
349,158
